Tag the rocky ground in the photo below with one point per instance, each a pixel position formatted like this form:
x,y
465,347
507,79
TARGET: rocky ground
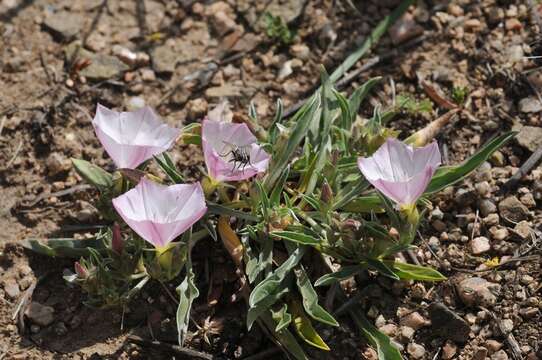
x,y
182,57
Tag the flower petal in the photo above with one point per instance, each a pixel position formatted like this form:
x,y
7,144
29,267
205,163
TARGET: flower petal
x,y
220,140
399,171
130,138
160,213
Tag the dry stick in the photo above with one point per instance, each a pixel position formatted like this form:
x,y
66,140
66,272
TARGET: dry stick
x,y
183,353
372,62
522,171
58,194
15,154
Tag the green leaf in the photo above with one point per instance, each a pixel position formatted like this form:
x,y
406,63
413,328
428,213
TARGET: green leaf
x,y
187,291
297,237
64,247
271,284
382,268
282,317
357,97
384,348
218,209
286,339
448,175
304,328
350,192
344,273
274,199
364,204
302,120
263,199
262,307
167,165
94,175
414,272
310,299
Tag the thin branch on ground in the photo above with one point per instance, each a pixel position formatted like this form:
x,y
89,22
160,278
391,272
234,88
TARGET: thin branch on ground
x,y
183,353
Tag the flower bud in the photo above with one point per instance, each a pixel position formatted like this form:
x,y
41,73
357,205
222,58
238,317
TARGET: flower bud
x,y
117,244
327,193
80,270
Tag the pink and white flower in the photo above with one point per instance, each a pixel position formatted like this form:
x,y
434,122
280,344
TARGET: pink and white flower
x,y
400,172
159,213
130,138
231,151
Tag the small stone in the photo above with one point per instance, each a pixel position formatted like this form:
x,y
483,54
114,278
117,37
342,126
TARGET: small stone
x,y
487,207
148,75
164,59
300,51
499,355
101,66
528,200
11,288
512,209
57,164
447,323
60,329
449,350
285,71
197,108
406,333
39,314
135,103
480,353
493,346
417,351
125,55
405,29
497,159
477,291
507,325
495,15
418,291
499,233
529,313
483,188
523,229
389,329
414,320
472,24
491,219
465,197
530,137
480,245
439,225
65,26
513,24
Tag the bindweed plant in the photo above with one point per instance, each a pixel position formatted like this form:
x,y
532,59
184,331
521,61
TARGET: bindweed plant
x,y
308,202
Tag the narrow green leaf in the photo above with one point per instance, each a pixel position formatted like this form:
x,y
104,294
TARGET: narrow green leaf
x,y
297,237
187,291
264,305
384,348
218,209
304,328
94,175
357,97
448,175
344,273
310,299
414,272
382,268
302,120
270,284
282,317
166,164
274,199
64,247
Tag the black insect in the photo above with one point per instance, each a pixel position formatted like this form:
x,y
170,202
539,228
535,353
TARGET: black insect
x,y
239,156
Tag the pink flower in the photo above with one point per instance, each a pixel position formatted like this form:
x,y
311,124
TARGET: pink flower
x,y
400,172
231,152
160,213
130,138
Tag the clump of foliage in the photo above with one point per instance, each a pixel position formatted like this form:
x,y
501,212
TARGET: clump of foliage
x,y
412,106
277,30
459,94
